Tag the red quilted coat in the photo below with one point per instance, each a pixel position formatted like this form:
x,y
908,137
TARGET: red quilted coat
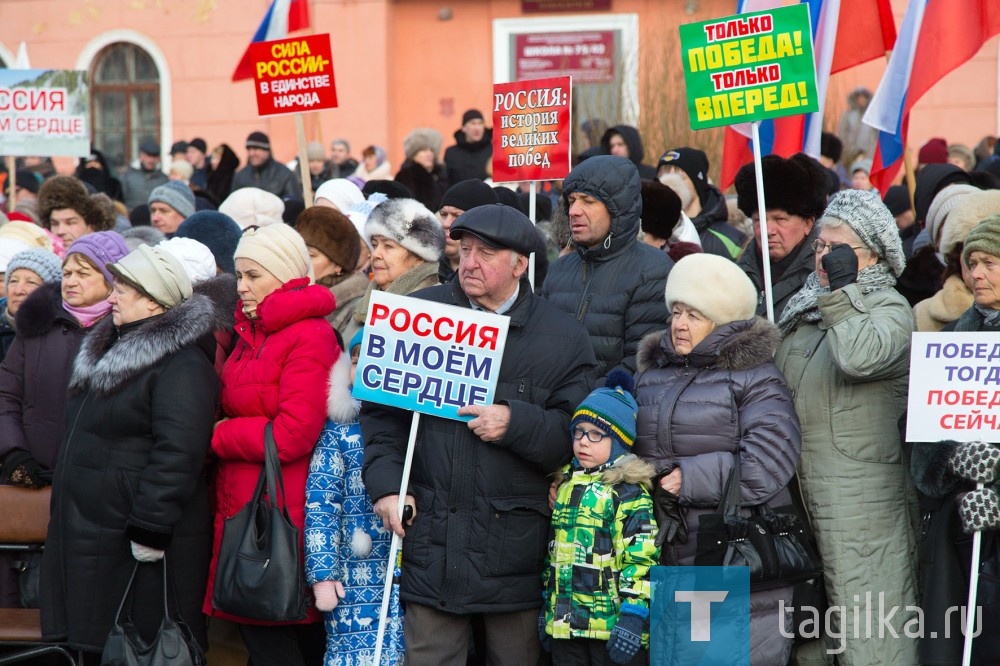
x,y
277,372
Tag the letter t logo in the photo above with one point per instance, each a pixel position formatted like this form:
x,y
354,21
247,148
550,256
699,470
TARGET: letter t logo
x,y
701,610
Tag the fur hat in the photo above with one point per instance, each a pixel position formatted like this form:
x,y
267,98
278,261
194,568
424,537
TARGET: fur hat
x,y
195,257
942,205
136,236
984,237
252,206
612,409
691,161
42,263
217,232
101,248
422,138
332,233
969,210
279,249
30,233
8,248
865,213
340,192
796,185
661,209
59,192
831,146
409,223
467,194
157,272
712,285
175,194
935,151
315,152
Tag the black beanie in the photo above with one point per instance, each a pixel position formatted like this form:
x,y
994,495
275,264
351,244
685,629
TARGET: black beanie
x,y
508,197
472,114
691,161
199,144
258,140
390,188
661,209
467,194
897,200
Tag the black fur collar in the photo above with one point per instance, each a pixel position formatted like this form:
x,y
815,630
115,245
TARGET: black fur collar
x,y
739,345
41,311
221,290
106,363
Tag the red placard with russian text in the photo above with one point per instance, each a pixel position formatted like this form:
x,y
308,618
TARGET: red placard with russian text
x,y
531,129
294,75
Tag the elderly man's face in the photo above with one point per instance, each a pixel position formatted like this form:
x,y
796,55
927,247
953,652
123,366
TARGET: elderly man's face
x,y
488,275
338,153
147,161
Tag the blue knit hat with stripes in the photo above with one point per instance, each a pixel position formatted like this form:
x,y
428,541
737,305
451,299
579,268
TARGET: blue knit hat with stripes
x,y
614,410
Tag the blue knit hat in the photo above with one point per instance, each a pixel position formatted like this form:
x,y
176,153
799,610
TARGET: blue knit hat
x,y
216,230
612,409
43,263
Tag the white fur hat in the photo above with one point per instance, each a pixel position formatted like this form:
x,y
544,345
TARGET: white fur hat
x,y
422,138
197,260
409,223
713,285
249,206
968,211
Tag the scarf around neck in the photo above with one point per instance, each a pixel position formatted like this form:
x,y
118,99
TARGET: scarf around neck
x,y
405,284
991,318
804,305
88,315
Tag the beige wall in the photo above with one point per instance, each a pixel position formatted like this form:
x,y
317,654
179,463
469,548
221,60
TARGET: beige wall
x,y
399,64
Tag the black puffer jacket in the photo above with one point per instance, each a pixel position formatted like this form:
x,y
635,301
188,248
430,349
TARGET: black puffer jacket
x,y
696,412
615,289
785,284
636,151
140,419
713,225
468,159
428,187
479,538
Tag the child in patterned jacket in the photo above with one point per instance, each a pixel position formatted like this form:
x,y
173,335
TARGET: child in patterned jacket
x,y
596,579
347,548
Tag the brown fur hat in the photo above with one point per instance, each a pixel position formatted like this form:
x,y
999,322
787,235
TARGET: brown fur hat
x,y
329,231
60,192
796,185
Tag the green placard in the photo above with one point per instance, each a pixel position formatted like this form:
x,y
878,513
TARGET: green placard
x,y
749,67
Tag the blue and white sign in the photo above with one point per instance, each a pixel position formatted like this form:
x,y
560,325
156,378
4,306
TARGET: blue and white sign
x,y
44,112
700,616
429,357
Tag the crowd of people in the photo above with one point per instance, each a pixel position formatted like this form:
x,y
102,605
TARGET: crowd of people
x,y
154,325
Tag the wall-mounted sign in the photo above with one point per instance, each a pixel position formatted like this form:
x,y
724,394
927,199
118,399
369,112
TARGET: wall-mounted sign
x,y
586,56
554,6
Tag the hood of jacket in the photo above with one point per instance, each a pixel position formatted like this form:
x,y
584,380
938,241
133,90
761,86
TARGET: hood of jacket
x,y
738,345
632,139
629,468
107,362
713,209
462,142
615,182
221,291
293,301
41,311
341,406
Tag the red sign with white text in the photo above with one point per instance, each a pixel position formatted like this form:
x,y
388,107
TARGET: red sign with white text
x,y
293,75
531,130
586,56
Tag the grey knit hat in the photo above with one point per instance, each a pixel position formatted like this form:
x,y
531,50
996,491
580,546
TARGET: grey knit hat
x,y
985,237
43,263
942,205
175,194
865,213
409,223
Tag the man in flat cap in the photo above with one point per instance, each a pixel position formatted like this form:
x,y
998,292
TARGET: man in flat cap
x,y
476,545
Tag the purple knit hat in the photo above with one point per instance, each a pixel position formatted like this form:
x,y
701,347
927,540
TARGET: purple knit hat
x,y
101,248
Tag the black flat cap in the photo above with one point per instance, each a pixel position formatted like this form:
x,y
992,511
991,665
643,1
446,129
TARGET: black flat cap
x,y
497,225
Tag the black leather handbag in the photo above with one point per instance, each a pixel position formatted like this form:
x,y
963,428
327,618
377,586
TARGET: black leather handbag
x,y
774,542
174,644
260,572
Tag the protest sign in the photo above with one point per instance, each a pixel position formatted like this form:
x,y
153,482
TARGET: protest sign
x,y
293,75
531,130
44,112
749,67
954,388
428,357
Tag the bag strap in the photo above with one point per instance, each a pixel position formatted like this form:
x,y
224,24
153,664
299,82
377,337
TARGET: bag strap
x,y
732,500
127,596
272,469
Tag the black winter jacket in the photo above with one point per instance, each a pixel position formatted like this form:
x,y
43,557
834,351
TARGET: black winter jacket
x,y
478,542
140,421
636,151
467,159
615,289
428,187
272,177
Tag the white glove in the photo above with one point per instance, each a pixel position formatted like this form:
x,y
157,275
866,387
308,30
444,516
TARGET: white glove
x,y
328,594
145,553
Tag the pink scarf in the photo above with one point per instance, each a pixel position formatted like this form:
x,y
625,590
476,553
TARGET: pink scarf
x,y
88,315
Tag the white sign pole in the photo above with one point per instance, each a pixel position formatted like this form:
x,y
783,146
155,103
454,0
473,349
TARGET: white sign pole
x,y
762,212
970,607
394,547
531,215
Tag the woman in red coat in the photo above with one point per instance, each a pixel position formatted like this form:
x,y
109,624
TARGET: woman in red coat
x,y
277,373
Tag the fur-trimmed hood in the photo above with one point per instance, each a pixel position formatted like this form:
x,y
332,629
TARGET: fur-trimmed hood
x,y
106,362
42,311
341,407
738,345
629,468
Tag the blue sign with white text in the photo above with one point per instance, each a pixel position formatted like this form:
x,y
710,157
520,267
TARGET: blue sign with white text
x,y
700,616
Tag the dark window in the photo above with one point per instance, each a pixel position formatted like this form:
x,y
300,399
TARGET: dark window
x,y
125,99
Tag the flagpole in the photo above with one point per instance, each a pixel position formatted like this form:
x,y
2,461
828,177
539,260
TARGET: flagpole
x,y
762,213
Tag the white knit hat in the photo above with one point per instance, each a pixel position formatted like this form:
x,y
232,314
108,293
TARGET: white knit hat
x,y
197,260
409,223
943,203
279,249
340,192
249,206
713,285
869,218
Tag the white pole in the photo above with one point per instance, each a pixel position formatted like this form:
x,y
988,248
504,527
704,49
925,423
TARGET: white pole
x,y
531,216
394,547
970,608
762,212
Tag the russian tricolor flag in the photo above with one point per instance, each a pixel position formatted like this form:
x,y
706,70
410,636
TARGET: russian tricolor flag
x,y
936,36
282,17
867,33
